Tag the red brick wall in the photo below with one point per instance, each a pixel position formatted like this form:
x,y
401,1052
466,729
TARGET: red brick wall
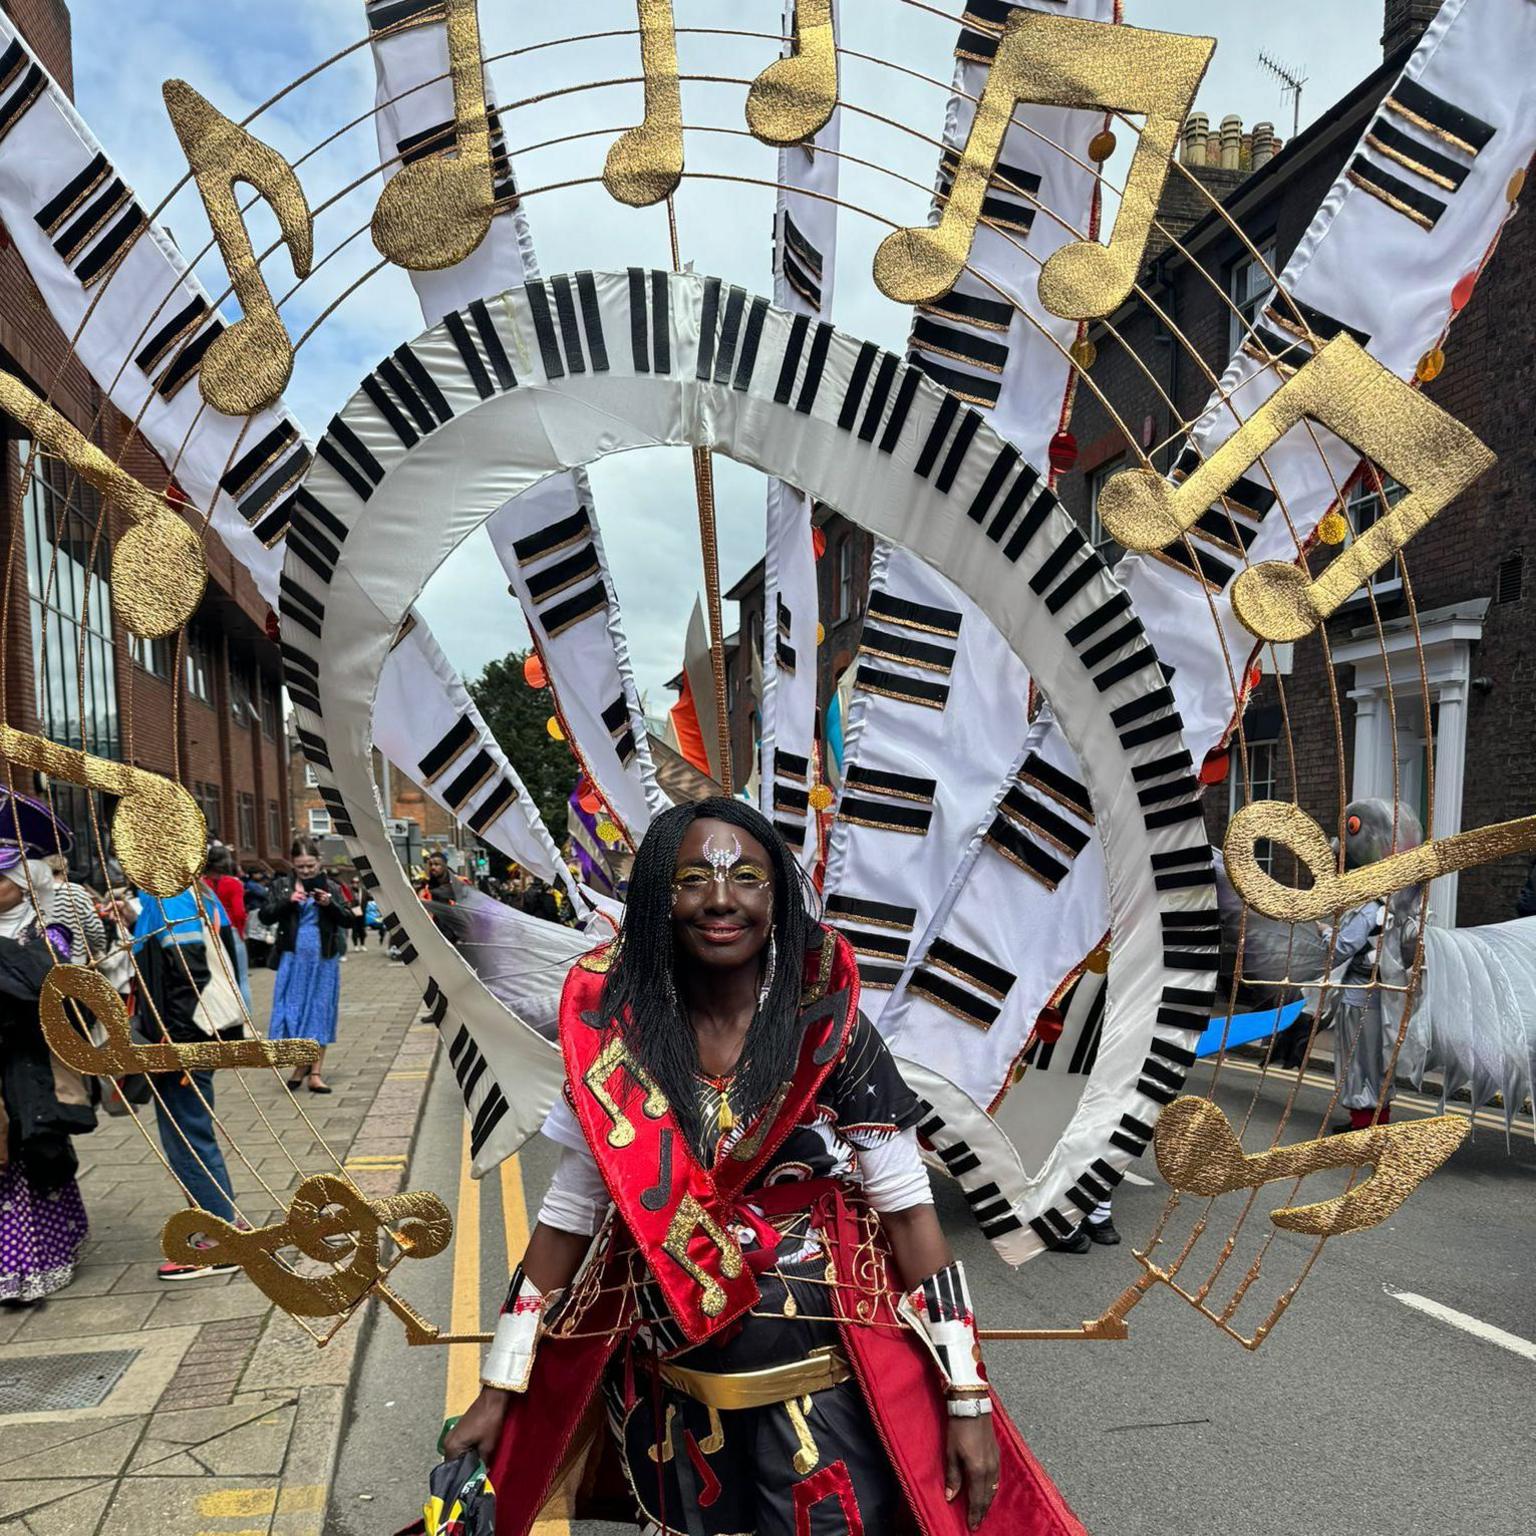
x,y
46,26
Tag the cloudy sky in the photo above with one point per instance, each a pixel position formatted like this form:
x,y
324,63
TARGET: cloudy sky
x,y
240,53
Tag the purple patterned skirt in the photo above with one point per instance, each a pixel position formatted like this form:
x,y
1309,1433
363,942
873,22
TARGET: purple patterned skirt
x,y
40,1237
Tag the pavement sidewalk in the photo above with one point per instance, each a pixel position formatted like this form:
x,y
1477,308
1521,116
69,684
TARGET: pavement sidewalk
x,y
222,1417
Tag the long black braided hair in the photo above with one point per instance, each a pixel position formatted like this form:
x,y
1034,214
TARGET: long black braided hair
x,y
641,990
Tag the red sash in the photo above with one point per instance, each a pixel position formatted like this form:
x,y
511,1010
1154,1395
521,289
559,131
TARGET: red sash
x,y
678,1211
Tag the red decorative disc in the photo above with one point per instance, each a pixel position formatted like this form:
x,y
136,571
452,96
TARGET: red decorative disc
x,y
533,671
590,802
818,542
1461,294
1063,453
1217,765
1255,676
272,627
1048,1026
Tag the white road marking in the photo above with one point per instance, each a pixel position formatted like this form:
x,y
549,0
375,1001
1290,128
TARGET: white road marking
x,y
1468,1324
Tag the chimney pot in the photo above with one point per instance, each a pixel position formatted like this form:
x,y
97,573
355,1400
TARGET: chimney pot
x,y
1231,142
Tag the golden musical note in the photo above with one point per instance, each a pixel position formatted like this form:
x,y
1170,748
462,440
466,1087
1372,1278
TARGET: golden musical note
x,y
689,1219
327,1221
645,164
248,367
119,1056
433,213
791,101
611,1059
708,1445
158,833
1344,389
1199,1154
1058,61
158,572
1281,822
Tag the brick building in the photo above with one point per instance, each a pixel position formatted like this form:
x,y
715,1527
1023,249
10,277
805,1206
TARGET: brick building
x,y
207,711
1466,572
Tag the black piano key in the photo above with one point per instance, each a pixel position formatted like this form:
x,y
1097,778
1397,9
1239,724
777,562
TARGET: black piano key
x,y
957,451
565,314
905,690
885,376
798,328
814,367
709,321
1030,524
899,411
853,396
459,737
573,610
492,807
730,332
490,339
426,386
885,815
750,342
544,329
661,323
469,354
394,418
560,534
1002,467
904,786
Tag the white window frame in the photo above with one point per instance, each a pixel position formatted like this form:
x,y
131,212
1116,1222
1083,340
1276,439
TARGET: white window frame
x,y
319,822
1097,479
311,778
1362,511
1263,771
846,578
1250,289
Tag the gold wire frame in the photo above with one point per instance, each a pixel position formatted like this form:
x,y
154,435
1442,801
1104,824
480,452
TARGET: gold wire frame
x,y
1111,1323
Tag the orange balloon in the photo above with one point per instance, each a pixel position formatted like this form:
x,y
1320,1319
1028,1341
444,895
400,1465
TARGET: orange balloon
x,y
533,671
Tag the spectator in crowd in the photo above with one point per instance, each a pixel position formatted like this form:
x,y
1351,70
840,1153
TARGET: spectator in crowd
x,y
539,900
311,919
221,878
180,982
258,936
42,1217
75,907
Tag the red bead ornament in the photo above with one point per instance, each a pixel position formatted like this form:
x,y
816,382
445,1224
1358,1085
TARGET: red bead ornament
x,y
1461,294
272,626
818,542
1062,453
533,671
1049,1025
1216,767
1255,676
589,801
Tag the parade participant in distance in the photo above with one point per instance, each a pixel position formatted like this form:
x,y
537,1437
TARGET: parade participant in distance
x,y
771,1309
311,918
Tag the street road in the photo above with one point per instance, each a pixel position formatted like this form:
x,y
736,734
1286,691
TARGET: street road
x,y
1395,1396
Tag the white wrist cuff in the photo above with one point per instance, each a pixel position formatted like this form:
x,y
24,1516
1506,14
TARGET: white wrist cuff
x,y
509,1361
940,1310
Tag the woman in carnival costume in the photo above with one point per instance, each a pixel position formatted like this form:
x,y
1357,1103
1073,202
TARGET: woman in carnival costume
x,y
42,1105
738,1258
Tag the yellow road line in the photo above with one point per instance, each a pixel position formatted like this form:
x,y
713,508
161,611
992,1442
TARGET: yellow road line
x,y
1413,1101
464,1359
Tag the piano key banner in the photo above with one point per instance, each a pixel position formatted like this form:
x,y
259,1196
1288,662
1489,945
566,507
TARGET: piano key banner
x,y
396,503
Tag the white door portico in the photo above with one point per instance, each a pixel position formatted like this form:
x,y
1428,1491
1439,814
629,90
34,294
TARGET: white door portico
x,y
1399,716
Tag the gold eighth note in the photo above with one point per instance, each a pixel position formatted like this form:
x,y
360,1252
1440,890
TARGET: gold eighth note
x,y
1059,61
792,100
645,163
248,367
1199,1154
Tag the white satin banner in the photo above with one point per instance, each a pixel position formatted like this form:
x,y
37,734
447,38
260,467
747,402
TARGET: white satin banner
x,y
548,540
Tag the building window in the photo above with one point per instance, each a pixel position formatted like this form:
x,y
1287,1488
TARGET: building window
x,y
319,822
1100,540
157,657
241,705
274,828
1375,495
210,801
1249,287
1263,760
200,665
270,714
311,779
843,598
68,582
245,815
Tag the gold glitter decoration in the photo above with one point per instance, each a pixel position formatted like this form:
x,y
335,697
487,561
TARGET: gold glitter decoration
x,y
691,1218
1281,822
821,633
1516,186
158,573
820,797
1333,529
645,164
1199,1154
1430,367
614,1056
1098,962
1346,390
434,212
118,1056
158,833
1059,61
328,1221
249,365
793,98
1084,354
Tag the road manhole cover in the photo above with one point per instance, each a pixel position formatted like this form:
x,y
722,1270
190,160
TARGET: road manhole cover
x,y
59,1383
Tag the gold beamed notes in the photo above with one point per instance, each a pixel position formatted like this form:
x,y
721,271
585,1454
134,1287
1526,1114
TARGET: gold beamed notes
x,y
158,833
792,99
248,367
645,163
1344,389
434,212
1285,824
1199,1154
158,571
1058,61
119,1056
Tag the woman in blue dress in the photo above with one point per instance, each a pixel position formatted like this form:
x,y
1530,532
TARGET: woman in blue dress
x,y
311,920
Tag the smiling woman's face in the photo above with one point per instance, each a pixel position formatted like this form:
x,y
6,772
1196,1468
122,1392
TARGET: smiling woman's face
x,y
722,896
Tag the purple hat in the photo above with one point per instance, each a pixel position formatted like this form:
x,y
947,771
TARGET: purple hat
x,y
28,829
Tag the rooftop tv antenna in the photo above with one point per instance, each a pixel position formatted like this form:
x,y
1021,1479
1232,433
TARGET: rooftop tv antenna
x,y
1291,83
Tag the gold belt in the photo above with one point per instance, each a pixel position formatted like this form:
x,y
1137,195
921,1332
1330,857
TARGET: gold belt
x,y
821,1369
